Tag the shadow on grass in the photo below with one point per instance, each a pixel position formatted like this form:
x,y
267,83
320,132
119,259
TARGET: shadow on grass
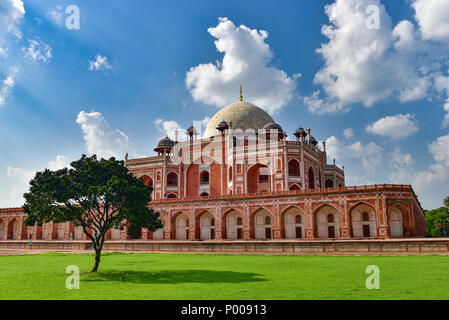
x,y
175,276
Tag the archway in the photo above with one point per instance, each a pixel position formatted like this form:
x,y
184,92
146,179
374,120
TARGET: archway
x,y
205,226
204,177
396,223
294,187
115,234
293,222
329,183
261,224
293,168
259,179
363,219
147,180
232,225
327,225
78,233
311,179
181,226
172,179
13,229
2,229
61,231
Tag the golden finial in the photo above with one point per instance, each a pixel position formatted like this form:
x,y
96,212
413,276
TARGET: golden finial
x,y
241,95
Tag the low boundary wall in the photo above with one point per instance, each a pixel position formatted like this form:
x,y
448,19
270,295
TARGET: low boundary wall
x,y
371,246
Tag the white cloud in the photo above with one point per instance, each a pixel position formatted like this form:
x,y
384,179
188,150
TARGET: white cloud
x,y
433,19
100,64
169,127
11,14
17,182
60,163
367,66
56,15
101,139
348,133
247,62
318,105
431,182
440,150
38,50
395,127
370,154
6,87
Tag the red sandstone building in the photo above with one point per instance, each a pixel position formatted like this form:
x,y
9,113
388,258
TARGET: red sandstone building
x,y
245,180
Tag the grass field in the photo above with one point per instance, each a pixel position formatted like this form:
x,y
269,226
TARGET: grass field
x,y
196,276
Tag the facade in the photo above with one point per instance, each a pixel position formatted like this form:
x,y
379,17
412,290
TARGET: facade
x,y
245,180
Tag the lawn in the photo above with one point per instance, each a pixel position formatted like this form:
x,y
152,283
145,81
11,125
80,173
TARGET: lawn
x,y
198,276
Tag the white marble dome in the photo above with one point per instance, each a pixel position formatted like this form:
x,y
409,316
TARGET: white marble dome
x,y
243,115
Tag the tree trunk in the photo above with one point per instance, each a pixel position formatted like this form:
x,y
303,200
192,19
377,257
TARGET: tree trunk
x,y
97,260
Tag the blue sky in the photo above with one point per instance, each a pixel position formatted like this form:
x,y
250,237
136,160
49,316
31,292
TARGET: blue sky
x,y
136,70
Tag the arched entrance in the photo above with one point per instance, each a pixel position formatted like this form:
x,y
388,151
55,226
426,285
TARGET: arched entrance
x,y
259,179
115,234
294,223
181,226
172,179
61,231
205,226
2,229
13,229
363,219
294,187
232,225
327,223
311,179
293,168
261,224
329,183
395,221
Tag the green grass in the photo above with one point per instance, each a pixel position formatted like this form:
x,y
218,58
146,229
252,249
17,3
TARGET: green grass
x,y
196,276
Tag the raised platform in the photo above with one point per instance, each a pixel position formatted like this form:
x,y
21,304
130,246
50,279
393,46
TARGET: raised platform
x,y
327,247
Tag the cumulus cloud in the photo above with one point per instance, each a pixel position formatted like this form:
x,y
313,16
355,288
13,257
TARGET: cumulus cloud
x,y
367,66
60,163
395,127
370,154
433,19
6,87
100,64
100,138
17,181
38,50
169,127
11,14
436,176
348,133
247,61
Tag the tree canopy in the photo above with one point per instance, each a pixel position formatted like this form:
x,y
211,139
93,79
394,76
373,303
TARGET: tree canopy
x,y
95,194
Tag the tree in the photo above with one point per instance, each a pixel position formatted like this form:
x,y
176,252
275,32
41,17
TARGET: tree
x,y
437,220
95,194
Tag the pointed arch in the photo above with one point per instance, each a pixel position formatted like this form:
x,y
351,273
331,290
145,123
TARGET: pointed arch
x,y
293,223
363,220
205,225
261,228
180,224
294,168
325,227
232,224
